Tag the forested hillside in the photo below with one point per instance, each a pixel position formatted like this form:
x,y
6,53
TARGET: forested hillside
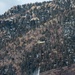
x,y
38,35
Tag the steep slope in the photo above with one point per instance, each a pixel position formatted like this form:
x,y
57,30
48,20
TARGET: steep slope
x,y
39,34
64,71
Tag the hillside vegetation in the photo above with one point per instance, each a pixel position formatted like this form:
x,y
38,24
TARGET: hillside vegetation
x,y
38,35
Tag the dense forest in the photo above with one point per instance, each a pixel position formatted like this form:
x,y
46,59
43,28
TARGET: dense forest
x,y
38,35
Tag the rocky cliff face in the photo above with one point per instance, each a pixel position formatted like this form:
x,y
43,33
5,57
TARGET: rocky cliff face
x,y
38,35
